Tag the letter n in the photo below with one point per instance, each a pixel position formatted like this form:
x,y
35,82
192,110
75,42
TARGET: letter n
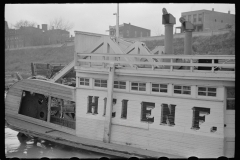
x,y
197,118
92,104
168,114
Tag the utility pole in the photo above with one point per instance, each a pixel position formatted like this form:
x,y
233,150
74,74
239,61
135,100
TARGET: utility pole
x,y
117,21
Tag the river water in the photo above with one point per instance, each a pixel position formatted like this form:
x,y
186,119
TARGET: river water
x,y
42,148
13,148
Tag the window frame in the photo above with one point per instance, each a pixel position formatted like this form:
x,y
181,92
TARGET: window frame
x,y
100,87
194,18
206,91
200,17
231,98
181,94
84,82
120,89
159,87
145,91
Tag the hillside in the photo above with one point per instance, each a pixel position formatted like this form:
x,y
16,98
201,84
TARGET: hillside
x,y
20,60
223,44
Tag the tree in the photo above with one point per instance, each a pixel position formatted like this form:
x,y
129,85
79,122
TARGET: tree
x,y
60,23
24,23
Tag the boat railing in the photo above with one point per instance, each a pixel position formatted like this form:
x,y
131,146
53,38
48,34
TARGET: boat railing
x,y
209,63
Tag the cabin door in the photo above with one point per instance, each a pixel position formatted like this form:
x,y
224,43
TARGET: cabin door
x,y
229,124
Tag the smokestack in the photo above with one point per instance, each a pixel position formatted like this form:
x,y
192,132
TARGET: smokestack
x,y
188,27
228,12
168,21
212,9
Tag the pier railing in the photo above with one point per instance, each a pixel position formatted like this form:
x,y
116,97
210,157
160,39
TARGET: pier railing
x,y
191,63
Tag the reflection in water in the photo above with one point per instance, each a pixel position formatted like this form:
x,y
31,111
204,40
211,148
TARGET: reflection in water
x,y
30,148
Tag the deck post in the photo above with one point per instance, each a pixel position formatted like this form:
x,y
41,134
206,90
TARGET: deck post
x,y
49,108
108,115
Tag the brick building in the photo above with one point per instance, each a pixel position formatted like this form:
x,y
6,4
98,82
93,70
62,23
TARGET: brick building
x,y
129,31
209,20
32,36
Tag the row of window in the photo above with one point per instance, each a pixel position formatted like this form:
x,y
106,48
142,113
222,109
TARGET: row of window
x,y
156,87
141,33
163,88
189,18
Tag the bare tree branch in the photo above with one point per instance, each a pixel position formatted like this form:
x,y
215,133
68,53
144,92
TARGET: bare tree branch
x,y
24,23
60,23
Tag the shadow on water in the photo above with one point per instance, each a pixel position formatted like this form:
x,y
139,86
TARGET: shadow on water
x,y
29,147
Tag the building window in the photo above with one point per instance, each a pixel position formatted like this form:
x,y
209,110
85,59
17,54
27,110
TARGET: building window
x,y
100,83
194,18
159,88
135,33
84,81
182,89
189,18
136,86
200,17
119,84
207,91
230,98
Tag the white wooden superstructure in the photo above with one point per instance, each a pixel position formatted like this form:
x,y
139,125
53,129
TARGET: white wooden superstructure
x,y
135,64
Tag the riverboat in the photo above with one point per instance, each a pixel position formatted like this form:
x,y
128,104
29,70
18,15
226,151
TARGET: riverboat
x,y
130,101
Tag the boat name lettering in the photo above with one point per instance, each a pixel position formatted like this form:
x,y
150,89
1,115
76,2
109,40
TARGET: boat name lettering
x,y
167,112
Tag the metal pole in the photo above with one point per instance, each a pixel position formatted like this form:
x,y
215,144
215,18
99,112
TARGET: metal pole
x,y
117,24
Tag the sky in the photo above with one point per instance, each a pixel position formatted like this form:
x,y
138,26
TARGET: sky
x,y
96,18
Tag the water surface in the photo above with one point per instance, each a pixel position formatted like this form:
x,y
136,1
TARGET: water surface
x,y
42,148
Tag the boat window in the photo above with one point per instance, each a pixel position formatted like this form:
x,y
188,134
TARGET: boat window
x,y
136,86
62,112
34,105
207,91
84,81
159,87
100,83
120,84
231,98
182,89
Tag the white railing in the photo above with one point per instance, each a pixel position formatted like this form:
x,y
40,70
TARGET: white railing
x,y
188,62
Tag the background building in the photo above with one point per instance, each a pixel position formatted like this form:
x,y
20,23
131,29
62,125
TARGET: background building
x,y
32,36
206,20
129,31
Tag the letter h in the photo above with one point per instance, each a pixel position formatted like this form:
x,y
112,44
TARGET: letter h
x,y
92,104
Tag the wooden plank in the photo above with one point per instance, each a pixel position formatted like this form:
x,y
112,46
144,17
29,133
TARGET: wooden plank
x,y
165,56
161,63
